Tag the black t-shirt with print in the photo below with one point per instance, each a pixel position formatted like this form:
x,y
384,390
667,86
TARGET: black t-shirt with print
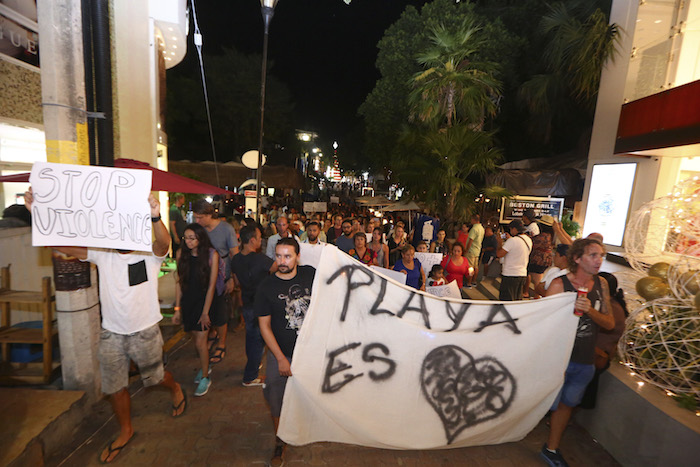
x,y
286,302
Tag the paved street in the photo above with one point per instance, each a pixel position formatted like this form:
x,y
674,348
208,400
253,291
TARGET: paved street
x,y
231,426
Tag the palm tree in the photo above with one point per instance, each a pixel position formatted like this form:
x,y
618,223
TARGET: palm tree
x,y
444,164
579,41
455,85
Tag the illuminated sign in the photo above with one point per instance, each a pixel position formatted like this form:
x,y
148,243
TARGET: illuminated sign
x,y
609,200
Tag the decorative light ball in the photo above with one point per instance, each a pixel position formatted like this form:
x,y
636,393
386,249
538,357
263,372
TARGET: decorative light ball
x,y
659,270
651,287
697,301
662,345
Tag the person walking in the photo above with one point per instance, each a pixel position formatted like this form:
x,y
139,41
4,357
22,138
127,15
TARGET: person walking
x,y
516,254
473,246
281,303
595,311
129,329
177,221
223,239
249,268
381,251
456,265
195,292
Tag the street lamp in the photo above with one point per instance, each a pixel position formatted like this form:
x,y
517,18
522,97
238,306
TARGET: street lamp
x,y
268,10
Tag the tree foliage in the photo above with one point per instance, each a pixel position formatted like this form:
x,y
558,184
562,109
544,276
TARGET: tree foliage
x,y
454,83
233,82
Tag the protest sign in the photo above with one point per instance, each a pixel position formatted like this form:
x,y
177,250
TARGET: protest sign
x,y
450,290
427,260
384,365
83,205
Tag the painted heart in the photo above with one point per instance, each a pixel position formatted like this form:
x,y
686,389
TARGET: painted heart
x,y
465,391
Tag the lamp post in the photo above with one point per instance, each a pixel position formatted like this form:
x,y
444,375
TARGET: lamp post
x,y
268,11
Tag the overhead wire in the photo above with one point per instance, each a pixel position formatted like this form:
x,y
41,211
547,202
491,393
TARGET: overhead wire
x,y
198,46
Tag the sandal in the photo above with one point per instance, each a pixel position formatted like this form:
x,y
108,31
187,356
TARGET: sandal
x,y
111,450
183,404
211,343
219,354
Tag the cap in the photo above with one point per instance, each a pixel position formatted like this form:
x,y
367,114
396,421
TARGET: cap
x,y
546,220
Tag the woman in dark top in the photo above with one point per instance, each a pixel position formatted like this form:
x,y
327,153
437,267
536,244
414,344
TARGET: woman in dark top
x,y
396,242
195,294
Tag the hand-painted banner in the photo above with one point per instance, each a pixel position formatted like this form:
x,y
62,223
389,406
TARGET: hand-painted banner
x,y
83,205
384,365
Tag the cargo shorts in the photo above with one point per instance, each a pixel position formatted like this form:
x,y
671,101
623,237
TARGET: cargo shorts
x,y
115,351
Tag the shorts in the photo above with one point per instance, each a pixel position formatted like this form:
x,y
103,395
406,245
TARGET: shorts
x,y
577,377
115,351
536,268
473,261
273,390
220,310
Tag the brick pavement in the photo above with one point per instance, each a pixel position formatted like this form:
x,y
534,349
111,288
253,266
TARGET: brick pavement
x,y
230,426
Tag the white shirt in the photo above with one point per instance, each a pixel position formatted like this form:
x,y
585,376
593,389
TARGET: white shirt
x,y
515,261
272,243
532,229
552,273
127,308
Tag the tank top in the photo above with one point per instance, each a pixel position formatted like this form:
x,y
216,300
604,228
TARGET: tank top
x,y
587,330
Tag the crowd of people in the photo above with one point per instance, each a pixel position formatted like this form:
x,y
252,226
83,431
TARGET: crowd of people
x,y
238,263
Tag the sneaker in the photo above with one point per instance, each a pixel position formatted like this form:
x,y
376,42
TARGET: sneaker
x,y
554,459
198,378
255,382
203,387
278,456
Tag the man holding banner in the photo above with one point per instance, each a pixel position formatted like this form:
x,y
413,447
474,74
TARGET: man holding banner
x,y
130,316
593,308
281,303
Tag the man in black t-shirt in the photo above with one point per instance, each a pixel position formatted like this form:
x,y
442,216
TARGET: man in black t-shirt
x,y
281,303
249,268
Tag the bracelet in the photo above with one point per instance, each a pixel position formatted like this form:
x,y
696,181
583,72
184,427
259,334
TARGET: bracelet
x,y
176,308
155,219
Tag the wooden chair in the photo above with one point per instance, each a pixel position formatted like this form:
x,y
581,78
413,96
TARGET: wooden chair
x,y
34,373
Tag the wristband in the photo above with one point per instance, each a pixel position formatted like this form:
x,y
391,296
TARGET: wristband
x,y
155,219
176,308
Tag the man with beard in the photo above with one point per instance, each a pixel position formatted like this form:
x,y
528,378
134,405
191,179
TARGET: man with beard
x,y
345,241
281,303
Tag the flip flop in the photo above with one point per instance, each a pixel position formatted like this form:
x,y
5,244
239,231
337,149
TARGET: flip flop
x,y
219,354
111,450
182,402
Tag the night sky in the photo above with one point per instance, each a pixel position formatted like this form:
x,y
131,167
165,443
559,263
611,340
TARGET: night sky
x,y
323,50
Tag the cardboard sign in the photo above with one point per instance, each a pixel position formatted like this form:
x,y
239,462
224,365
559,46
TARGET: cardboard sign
x,y
450,290
384,365
427,260
83,205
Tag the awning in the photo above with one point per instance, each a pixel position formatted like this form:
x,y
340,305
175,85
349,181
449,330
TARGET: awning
x,y
161,180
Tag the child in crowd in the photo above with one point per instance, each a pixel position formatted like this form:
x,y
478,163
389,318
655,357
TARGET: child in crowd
x,y
436,276
422,247
195,294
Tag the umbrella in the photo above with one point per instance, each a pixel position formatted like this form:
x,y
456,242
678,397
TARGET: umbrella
x,y
161,180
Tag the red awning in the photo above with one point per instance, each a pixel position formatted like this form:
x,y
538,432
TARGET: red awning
x,y
161,180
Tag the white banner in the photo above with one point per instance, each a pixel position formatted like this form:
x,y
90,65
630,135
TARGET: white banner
x,y
83,205
383,365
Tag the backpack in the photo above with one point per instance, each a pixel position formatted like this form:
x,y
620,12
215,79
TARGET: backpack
x,y
221,276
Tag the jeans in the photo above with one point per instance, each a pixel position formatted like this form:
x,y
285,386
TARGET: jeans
x,y
253,344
